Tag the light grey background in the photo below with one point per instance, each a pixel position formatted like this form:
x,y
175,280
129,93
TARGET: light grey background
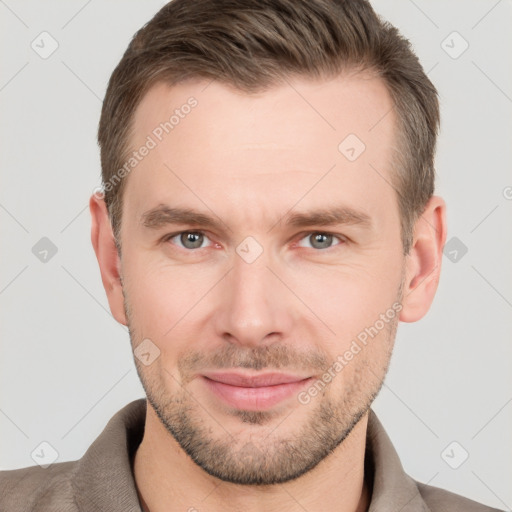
x,y
66,366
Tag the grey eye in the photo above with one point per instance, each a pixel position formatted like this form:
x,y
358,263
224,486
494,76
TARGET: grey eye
x,y
191,239
319,240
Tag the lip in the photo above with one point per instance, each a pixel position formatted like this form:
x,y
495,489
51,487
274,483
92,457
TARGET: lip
x,y
254,392
253,381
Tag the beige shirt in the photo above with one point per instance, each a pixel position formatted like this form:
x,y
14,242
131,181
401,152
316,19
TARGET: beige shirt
x,y
102,480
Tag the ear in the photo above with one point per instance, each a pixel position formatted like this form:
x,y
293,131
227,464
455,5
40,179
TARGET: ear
x,y
423,263
102,239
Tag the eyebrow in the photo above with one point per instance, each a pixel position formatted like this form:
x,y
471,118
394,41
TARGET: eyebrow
x,y
163,215
329,217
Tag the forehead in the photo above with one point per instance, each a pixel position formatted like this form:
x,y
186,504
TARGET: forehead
x,y
212,139
354,103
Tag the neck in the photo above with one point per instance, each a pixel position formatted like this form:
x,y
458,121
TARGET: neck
x,y
167,480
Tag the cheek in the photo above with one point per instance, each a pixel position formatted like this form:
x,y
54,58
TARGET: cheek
x,y
157,298
168,301
350,298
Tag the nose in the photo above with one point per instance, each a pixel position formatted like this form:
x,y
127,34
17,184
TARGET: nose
x,y
255,308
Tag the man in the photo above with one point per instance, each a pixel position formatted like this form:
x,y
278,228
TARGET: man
x,y
267,218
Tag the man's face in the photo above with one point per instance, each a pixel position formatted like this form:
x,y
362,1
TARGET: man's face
x,y
254,293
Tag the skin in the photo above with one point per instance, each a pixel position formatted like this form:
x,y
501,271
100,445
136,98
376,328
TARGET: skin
x,y
250,161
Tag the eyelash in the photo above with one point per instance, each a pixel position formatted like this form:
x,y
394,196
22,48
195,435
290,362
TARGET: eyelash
x,y
342,239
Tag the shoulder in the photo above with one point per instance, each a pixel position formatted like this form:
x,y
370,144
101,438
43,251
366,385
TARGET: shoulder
x,y
37,488
441,500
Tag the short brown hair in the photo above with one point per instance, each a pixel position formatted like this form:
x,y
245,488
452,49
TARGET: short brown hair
x,y
256,44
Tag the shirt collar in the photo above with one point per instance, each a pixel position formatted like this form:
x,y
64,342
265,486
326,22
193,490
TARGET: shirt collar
x,y
393,489
104,476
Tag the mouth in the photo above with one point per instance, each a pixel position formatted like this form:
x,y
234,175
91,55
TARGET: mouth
x,y
254,392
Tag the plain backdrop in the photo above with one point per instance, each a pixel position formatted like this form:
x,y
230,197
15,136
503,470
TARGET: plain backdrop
x,y
66,365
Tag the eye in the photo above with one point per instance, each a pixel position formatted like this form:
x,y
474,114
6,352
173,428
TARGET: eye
x,y
188,239
320,240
